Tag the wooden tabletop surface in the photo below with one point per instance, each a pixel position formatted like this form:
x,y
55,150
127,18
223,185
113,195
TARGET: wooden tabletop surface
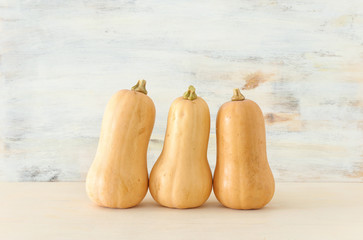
x,y
298,211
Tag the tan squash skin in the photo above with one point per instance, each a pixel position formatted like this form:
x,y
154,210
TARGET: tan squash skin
x,y
242,178
118,177
181,177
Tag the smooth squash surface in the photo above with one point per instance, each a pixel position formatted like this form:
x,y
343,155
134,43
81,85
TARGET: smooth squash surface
x,y
242,177
118,176
181,177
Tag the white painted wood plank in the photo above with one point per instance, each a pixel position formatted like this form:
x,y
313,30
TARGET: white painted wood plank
x,y
302,62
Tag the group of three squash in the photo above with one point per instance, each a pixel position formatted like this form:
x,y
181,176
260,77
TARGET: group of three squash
x,y
181,177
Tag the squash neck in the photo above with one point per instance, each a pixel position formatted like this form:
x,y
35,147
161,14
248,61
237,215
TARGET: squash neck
x,y
140,87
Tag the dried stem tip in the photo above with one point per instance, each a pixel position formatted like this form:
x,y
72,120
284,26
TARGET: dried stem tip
x,y
140,87
237,95
190,94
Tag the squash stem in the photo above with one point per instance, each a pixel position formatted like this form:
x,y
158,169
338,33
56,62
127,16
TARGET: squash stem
x,y
237,95
140,87
190,94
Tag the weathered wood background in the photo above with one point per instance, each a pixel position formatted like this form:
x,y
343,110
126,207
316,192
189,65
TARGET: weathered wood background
x,y
301,61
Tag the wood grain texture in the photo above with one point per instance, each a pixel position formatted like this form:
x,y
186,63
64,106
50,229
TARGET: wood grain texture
x,y
301,61
298,211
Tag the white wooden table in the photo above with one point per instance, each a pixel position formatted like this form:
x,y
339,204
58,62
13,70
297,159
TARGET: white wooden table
x,y
298,211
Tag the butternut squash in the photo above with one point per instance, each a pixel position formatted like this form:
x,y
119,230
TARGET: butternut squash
x,y
242,177
181,177
118,176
